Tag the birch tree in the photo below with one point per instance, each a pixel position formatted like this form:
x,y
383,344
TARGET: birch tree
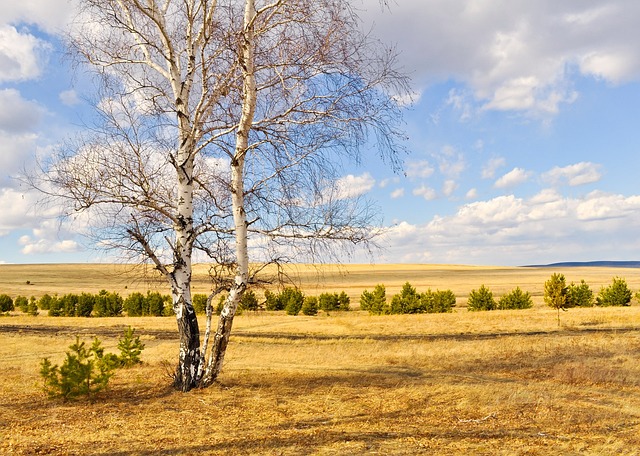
x,y
222,130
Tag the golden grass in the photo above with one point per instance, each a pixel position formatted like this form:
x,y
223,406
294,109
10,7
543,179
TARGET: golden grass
x,y
124,279
483,383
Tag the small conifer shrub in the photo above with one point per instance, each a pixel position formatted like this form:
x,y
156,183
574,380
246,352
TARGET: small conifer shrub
x,y
375,301
84,372
292,298
32,308
6,303
249,301
580,295
438,301
515,299
199,302
310,306
87,370
616,294
130,348
556,293
21,303
407,301
481,299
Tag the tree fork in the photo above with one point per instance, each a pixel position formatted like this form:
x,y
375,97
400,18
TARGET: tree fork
x,y
185,377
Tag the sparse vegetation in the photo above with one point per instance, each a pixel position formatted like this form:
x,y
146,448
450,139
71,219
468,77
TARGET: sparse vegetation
x,y
84,372
333,301
616,294
310,306
415,372
516,299
21,303
6,303
87,370
580,295
376,301
481,299
130,348
555,293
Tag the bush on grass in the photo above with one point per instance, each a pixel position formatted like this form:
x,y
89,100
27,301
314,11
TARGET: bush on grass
x,y
515,299
580,295
616,294
375,301
310,306
87,370
6,303
21,303
481,299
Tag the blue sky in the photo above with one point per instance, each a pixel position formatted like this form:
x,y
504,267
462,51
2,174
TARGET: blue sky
x,y
523,134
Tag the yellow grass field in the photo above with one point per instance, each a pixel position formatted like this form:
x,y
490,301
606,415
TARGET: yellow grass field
x,y
469,383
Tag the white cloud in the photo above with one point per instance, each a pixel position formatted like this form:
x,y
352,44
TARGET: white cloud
x,y
351,186
489,170
18,210
45,246
51,15
18,115
519,55
578,174
472,194
507,230
69,97
451,163
514,177
397,193
21,55
449,187
462,102
426,192
421,169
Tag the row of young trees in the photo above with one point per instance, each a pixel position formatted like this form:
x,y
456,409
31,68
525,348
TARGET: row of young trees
x,y
103,304
408,301
293,301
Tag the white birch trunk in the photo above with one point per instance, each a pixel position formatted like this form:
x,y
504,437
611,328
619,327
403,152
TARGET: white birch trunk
x,y
225,323
189,359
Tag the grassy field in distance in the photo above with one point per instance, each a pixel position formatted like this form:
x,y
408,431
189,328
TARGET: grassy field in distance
x,y
481,383
312,279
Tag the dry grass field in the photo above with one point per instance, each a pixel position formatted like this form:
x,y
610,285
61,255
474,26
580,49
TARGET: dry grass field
x,y
481,383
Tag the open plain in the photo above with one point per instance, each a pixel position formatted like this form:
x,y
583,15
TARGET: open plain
x,y
483,383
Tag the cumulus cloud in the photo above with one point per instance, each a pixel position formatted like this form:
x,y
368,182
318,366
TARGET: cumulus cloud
x,y
51,15
451,162
32,246
19,120
514,177
351,186
577,174
18,210
513,56
421,169
20,55
18,115
449,187
397,193
69,97
507,230
426,192
489,169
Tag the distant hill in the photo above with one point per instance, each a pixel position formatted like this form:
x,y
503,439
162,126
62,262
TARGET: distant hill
x,y
598,264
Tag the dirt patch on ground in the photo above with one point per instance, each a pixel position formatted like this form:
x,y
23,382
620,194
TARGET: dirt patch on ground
x,y
116,331
99,331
